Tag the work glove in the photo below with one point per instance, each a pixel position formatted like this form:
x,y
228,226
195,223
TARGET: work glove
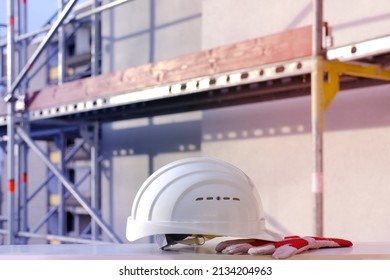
x,y
283,249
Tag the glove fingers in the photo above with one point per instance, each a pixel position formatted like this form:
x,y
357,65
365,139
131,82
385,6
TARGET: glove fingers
x,y
298,245
322,242
291,246
224,244
287,251
237,249
262,250
283,249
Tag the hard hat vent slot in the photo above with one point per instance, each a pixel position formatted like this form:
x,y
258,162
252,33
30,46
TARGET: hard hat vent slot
x,y
217,198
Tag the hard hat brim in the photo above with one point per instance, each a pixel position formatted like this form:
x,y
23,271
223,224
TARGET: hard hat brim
x,y
138,229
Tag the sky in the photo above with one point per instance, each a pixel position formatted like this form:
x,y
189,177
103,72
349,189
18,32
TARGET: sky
x,y
38,12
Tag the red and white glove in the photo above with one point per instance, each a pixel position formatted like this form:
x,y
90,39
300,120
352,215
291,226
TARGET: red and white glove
x,y
283,249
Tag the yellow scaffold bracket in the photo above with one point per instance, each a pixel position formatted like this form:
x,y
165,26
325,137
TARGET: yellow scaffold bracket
x,y
334,69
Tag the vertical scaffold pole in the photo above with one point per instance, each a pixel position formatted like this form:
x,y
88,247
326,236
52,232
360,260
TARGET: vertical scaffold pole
x,y
60,188
95,178
68,185
23,192
61,47
20,29
23,44
95,164
11,121
45,40
61,70
317,116
95,40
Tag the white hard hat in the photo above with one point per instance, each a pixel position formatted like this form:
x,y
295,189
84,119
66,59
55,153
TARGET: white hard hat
x,y
199,195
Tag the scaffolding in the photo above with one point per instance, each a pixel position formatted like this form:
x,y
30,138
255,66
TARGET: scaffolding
x,y
160,88
20,137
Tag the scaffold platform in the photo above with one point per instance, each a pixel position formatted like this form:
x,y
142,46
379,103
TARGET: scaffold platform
x,y
268,68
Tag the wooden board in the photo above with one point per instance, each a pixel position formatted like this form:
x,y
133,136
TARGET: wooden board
x,y
284,46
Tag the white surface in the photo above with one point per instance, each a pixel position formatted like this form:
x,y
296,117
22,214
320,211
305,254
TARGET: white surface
x,y
151,251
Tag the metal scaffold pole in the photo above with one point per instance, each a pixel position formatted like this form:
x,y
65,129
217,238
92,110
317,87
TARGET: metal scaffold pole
x,y
95,40
23,44
11,121
95,178
23,190
40,48
22,157
19,140
317,116
60,188
61,47
68,185
77,17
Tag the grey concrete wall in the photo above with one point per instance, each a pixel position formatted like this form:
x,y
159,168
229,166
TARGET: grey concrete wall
x,y
132,150
137,33
140,32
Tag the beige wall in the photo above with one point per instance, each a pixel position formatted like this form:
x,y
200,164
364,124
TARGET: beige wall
x,y
272,141
228,21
